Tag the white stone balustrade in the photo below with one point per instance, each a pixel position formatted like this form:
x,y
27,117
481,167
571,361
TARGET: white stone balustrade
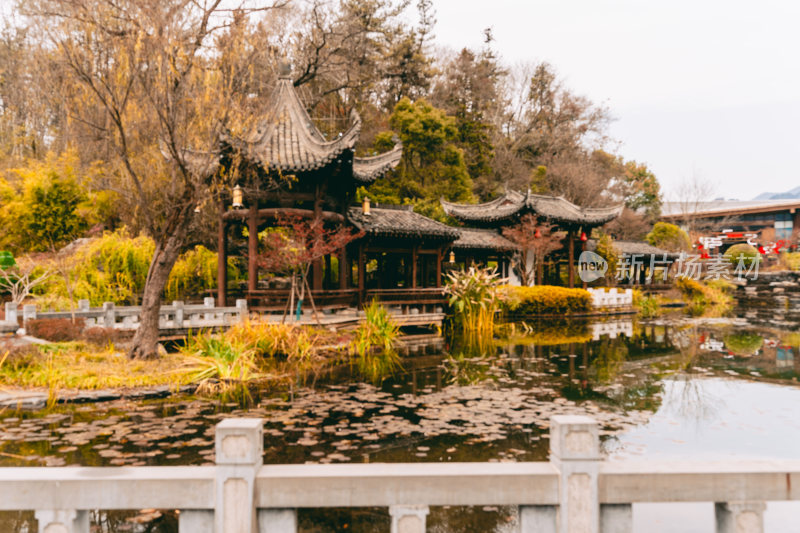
x,y
575,492
175,316
602,297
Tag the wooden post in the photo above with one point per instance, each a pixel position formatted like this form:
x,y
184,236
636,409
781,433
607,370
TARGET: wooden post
x,y
343,268
252,247
362,271
571,257
414,257
439,267
583,249
222,262
316,266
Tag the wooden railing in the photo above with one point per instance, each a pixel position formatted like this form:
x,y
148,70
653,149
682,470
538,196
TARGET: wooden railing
x,y
175,316
426,299
276,299
576,491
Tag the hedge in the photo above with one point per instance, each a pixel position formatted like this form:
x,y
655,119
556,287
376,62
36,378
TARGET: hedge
x,y
546,300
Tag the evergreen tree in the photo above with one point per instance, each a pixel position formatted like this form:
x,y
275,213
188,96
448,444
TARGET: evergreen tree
x,y
432,167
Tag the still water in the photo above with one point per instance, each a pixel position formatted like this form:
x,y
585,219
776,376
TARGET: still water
x,y
668,389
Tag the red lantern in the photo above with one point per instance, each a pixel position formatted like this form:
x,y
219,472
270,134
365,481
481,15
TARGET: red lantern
x,y
537,233
583,236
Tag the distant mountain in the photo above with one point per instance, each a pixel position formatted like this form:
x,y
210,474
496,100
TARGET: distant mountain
x,y
788,195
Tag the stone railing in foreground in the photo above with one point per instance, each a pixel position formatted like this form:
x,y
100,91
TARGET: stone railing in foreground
x,y
575,492
175,316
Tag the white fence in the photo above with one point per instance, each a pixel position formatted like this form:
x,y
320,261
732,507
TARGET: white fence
x,y
611,297
575,492
175,316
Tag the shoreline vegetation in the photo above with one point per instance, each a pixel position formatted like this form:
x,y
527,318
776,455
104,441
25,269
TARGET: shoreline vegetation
x,y
248,354
258,354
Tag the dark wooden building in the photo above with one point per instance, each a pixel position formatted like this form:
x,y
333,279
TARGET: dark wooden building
x,y
507,210
287,167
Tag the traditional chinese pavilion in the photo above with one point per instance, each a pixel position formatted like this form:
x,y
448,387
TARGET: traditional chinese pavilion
x,y
510,207
287,166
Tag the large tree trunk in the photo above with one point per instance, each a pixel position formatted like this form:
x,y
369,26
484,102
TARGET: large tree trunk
x,y
145,341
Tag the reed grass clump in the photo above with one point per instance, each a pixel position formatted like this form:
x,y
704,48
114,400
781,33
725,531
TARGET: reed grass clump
x,y
475,297
374,343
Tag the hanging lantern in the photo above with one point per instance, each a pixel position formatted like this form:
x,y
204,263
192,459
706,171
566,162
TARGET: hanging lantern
x,y
365,205
537,233
238,197
452,256
583,236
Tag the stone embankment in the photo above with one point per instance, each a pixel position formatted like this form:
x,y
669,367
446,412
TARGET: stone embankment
x,y
772,299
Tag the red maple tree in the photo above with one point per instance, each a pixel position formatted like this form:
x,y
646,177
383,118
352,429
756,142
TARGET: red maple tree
x,y
294,244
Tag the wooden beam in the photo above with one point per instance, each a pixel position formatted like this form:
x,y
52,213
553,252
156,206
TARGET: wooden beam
x,y
275,212
222,263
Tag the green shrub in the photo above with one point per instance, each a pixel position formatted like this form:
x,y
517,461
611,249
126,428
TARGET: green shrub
x,y
669,237
647,305
713,297
547,300
748,254
745,343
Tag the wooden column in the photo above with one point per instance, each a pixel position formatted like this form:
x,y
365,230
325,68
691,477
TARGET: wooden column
x,y
583,249
252,247
362,272
316,267
414,258
222,262
343,268
439,267
571,257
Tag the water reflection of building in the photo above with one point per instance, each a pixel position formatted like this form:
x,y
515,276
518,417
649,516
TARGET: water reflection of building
x,y
776,357
612,329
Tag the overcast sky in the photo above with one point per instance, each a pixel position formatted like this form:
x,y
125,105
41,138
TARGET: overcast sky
x,y
705,88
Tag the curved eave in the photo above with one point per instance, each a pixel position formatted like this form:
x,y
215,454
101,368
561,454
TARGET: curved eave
x,y
368,169
561,210
492,211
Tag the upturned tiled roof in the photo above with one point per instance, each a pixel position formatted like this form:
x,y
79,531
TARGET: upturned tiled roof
x,y
512,204
482,239
286,138
400,221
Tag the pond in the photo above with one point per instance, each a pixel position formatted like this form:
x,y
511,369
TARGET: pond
x,y
671,388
